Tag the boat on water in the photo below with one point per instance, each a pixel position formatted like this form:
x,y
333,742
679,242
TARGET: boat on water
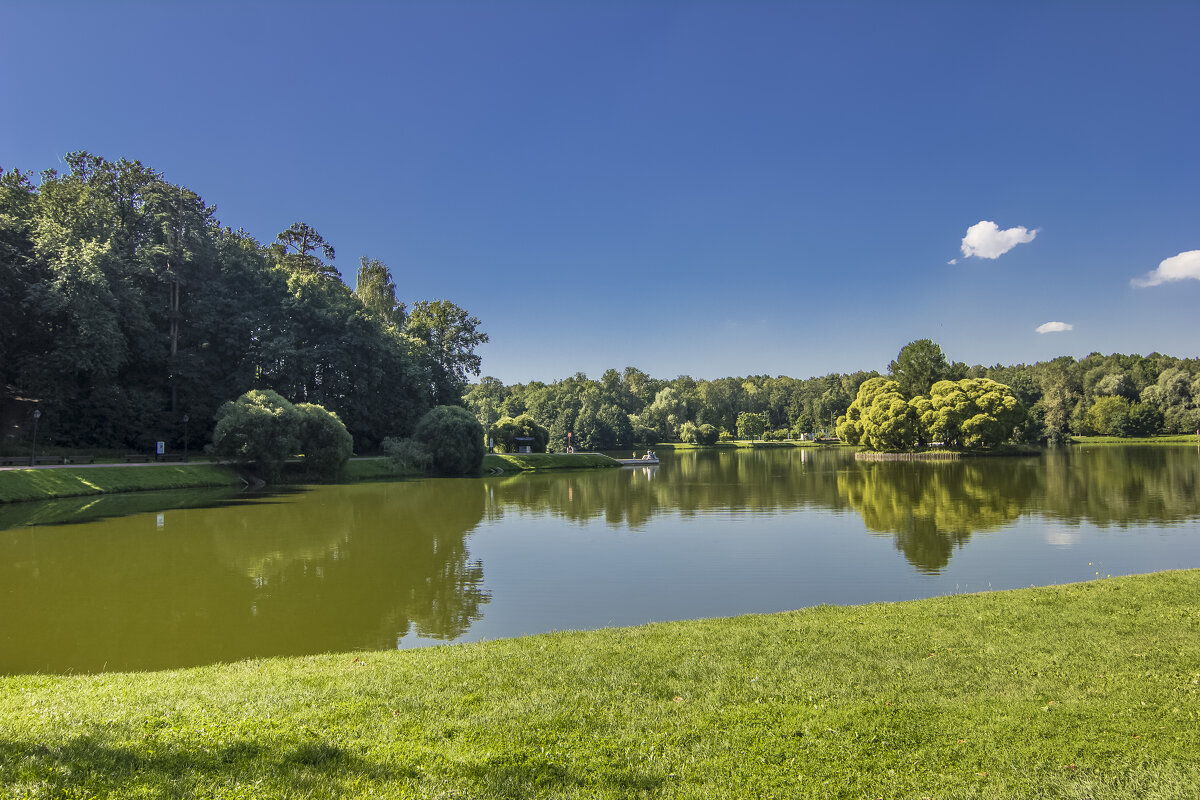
x,y
648,460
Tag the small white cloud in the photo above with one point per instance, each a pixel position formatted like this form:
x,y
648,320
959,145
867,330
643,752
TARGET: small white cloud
x,y
1054,327
952,261
1176,268
984,239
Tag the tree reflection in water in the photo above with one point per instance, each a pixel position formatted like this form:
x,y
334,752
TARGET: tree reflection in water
x,y
932,508
929,507
371,566
332,569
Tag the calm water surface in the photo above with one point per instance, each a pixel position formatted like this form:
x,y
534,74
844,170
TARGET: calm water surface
x,y
166,580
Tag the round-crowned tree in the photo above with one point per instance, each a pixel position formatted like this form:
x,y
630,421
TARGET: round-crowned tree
x,y
324,440
506,430
880,418
453,438
260,427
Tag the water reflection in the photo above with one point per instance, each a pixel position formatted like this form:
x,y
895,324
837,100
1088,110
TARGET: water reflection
x,y
75,510
929,508
376,566
336,568
1122,486
932,508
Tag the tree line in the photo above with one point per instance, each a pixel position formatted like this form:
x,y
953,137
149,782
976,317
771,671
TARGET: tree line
x,y
127,305
1114,394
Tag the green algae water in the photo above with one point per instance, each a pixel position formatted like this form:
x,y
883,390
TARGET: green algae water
x,y
187,578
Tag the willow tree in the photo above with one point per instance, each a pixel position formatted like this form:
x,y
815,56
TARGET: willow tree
x,y
973,412
880,417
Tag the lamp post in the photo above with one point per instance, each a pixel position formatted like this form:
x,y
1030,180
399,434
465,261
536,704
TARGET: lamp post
x,y
185,436
37,414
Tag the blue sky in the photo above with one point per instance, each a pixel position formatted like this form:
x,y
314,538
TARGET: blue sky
x,y
696,188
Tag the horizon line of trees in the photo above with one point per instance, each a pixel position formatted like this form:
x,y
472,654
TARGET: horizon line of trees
x,y
127,305
1123,395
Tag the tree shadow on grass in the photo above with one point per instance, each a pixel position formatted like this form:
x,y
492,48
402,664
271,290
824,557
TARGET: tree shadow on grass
x,y
527,774
87,766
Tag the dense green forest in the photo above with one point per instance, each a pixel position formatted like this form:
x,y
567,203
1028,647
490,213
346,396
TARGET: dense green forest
x,y
1114,394
125,305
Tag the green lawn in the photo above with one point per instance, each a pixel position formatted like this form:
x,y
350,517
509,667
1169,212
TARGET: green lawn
x,y
1081,691
540,462
46,484
1173,439
374,469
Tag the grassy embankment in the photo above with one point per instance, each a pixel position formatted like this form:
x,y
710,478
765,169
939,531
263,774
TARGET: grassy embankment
x,y
743,443
46,484
1088,690
542,462
1172,439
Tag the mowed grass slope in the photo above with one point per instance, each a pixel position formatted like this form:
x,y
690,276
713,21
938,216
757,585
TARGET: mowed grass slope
x,y
45,484
541,462
1081,691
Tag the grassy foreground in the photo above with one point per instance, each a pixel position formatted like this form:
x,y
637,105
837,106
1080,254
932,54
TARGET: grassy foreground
x,y
1082,691
47,484
540,462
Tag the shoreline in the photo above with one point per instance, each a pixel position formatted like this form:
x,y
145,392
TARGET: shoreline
x,y
514,463
51,483
1085,688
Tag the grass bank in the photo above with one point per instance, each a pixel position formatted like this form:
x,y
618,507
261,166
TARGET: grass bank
x,y
47,484
1089,690
743,443
541,462
944,454
1171,439
376,468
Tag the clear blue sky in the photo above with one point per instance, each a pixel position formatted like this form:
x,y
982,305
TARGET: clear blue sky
x,y
703,188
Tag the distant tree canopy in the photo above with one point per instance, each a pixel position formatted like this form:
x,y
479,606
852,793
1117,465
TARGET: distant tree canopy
x,y
1163,393
973,412
126,305
920,365
751,425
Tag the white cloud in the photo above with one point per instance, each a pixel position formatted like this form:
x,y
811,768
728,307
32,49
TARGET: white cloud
x,y
1176,268
1055,327
984,239
952,261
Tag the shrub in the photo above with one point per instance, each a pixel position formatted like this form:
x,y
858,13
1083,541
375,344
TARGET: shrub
x,y
324,440
261,428
406,455
706,434
453,438
506,430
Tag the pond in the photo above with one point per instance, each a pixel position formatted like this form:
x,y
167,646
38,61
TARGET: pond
x,y
177,579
